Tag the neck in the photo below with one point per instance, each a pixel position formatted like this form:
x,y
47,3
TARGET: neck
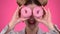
x,y
31,31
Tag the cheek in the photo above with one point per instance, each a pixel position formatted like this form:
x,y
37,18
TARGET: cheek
x,y
38,12
25,12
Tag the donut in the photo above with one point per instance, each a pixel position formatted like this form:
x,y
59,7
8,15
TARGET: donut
x,y
26,12
38,11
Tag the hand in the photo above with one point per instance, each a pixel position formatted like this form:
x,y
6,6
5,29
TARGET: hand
x,y
16,19
46,20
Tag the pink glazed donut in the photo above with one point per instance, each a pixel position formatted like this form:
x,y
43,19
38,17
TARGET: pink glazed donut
x,y
26,12
38,12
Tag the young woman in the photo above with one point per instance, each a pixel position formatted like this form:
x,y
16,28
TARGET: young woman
x,y
27,11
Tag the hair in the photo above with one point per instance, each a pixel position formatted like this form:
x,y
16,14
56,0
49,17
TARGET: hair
x,y
27,2
43,2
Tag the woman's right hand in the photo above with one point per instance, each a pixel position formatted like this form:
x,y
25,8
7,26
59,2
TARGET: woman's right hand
x,y
16,19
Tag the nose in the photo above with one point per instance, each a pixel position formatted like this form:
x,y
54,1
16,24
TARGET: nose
x,y
31,17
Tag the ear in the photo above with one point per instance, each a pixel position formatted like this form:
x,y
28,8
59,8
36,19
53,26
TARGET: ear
x,y
21,2
43,2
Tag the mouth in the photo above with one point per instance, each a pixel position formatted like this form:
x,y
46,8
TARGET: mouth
x,y
31,21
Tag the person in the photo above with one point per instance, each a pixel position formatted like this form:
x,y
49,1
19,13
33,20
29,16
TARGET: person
x,y
31,22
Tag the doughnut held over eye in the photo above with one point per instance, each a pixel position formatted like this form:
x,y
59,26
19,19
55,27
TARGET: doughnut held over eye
x,y
26,12
38,12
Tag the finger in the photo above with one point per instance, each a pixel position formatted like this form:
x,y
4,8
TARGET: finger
x,y
45,10
20,20
17,10
49,13
21,6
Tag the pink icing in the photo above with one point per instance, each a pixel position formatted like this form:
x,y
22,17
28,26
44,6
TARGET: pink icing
x,y
38,11
26,12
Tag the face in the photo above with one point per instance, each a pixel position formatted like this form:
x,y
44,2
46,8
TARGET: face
x,y
31,12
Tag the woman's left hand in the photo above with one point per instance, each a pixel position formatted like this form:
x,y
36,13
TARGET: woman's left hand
x,y
46,20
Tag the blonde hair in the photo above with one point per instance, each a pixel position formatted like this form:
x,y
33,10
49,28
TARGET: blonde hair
x,y
43,2
38,2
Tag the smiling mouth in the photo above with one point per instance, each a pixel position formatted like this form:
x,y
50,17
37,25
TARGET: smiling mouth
x,y
31,21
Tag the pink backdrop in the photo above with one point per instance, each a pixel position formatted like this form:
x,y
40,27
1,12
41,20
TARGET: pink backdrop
x,y
7,8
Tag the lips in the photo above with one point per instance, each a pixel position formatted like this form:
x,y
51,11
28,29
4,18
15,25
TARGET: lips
x,y
31,21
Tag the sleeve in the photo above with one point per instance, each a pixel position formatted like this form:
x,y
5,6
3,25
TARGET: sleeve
x,y
53,31
5,29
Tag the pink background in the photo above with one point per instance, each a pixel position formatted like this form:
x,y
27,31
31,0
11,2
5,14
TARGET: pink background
x,y
7,8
